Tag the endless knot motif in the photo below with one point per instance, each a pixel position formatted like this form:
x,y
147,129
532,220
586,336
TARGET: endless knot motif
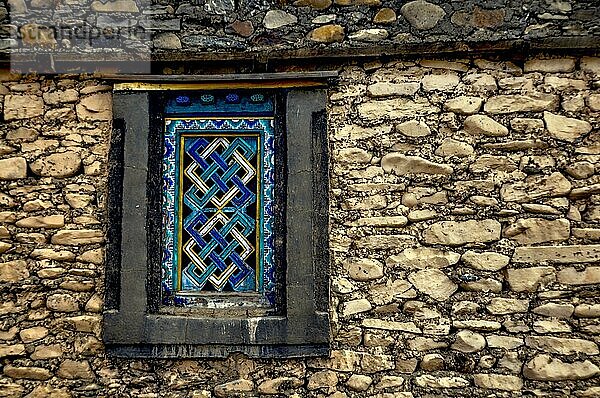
x,y
218,208
221,173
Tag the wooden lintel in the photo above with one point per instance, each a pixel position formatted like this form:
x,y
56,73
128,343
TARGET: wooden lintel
x,y
215,85
226,78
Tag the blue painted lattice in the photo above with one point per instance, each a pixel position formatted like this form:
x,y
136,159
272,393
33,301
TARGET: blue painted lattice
x,y
218,180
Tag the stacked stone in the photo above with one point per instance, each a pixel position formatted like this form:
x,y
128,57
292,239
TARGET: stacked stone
x,y
253,26
52,181
465,227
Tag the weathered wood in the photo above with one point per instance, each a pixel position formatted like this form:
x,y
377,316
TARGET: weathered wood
x,y
222,77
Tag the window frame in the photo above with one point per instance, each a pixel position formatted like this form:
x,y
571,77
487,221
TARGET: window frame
x,y
133,325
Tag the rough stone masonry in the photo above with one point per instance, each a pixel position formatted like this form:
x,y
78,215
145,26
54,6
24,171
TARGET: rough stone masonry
x,y
465,208
222,29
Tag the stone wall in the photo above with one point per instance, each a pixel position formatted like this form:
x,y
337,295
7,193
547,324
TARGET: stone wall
x,y
465,209
220,29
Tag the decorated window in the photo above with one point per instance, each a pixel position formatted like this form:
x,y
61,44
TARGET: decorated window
x,y
218,198
218,237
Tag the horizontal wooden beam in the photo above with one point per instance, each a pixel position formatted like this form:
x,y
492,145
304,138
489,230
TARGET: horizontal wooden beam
x,y
148,86
229,78
219,81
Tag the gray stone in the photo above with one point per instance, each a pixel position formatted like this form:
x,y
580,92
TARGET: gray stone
x,y
354,307
22,106
391,221
95,107
209,42
220,7
374,323
128,6
551,326
468,342
541,209
24,372
503,306
506,342
59,97
353,155
434,283
235,387
413,128
323,19
557,254
486,261
422,15
562,346
423,257
399,164
17,7
537,102
13,168
451,147
340,360
22,134
322,379
275,19
70,369
395,108
590,65
166,41
587,311
580,170
477,324
53,221
432,362
364,269
529,279
12,350
571,276
538,230
278,385
386,242
390,381
535,187
464,105
584,192
33,334
369,35
527,125
359,382
545,368
77,237
445,82
13,271
456,233
484,125
498,382
566,128
388,89
430,381
368,203
556,65
64,164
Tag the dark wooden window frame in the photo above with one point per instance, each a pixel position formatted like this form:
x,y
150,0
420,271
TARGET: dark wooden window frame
x,y
133,324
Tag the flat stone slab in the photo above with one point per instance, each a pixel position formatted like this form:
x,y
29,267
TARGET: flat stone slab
x,y
557,254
